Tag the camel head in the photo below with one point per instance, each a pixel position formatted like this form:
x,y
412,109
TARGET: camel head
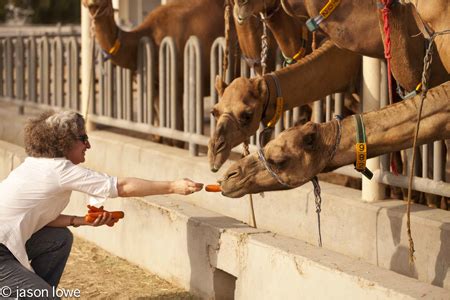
x,y
94,5
238,114
244,9
296,156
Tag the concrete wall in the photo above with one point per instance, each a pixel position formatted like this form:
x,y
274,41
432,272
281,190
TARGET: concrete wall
x,y
182,237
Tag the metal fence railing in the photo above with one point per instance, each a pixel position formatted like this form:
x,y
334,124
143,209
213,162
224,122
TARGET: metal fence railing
x,y
42,70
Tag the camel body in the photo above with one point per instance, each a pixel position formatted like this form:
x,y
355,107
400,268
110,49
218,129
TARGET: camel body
x,y
300,153
202,18
192,17
356,26
435,16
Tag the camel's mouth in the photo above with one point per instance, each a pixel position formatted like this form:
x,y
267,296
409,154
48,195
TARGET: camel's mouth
x,y
235,187
227,135
218,153
248,176
239,179
240,186
240,14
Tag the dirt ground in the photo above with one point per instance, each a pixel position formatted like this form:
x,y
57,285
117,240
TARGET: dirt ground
x,y
98,274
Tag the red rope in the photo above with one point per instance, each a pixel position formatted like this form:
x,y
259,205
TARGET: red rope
x,y
387,54
387,42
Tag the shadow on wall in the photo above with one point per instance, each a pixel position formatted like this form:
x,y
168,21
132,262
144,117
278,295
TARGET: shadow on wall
x,y
400,258
442,265
203,244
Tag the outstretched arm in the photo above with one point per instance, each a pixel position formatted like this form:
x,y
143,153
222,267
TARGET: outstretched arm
x,y
136,187
133,187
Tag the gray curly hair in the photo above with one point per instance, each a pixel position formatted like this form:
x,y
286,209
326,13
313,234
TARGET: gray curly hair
x,y
52,134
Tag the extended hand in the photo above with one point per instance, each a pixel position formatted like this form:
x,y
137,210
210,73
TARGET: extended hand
x,y
186,186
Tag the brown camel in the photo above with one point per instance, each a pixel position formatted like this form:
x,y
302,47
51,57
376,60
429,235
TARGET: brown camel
x,y
290,33
192,17
222,141
300,153
356,26
249,37
435,17
247,102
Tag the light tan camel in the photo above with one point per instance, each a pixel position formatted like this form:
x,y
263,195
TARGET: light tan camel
x,y
356,25
300,153
192,18
434,15
247,102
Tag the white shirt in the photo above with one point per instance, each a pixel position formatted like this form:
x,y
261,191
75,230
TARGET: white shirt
x,y
36,192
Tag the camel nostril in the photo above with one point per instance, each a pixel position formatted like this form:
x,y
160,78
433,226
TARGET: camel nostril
x,y
220,146
232,174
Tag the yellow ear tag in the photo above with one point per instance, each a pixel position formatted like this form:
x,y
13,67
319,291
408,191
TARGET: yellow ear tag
x,y
361,156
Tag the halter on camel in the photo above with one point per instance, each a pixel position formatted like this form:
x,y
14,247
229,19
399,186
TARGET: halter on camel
x,y
314,180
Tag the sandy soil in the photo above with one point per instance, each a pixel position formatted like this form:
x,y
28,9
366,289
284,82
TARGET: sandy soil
x,y
101,275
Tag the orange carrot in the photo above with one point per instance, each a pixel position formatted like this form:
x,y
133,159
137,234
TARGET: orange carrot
x,y
95,209
91,216
213,188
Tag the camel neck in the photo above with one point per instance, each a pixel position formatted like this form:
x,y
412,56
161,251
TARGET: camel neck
x,y
392,128
360,20
287,31
407,53
299,84
106,30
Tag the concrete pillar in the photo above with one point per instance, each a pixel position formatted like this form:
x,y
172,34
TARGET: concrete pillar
x,y
86,65
371,190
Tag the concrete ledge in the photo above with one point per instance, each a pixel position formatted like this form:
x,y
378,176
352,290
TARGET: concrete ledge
x,y
371,232
189,245
10,157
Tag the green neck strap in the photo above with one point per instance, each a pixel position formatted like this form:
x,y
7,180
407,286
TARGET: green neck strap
x,y
361,148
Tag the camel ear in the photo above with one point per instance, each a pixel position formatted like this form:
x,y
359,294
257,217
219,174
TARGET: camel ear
x,y
309,139
261,87
220,85
305,115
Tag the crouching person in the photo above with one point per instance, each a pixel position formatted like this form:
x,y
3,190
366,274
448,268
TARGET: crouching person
x,y
34,240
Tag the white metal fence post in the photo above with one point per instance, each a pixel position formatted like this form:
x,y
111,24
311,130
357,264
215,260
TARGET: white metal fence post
x,y
371,190
86,64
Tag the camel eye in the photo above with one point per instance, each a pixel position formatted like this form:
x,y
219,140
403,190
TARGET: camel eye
x,y
309,142
278,163
215,113
245,117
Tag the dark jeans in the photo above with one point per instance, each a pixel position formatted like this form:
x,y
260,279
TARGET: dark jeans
x,y
48,249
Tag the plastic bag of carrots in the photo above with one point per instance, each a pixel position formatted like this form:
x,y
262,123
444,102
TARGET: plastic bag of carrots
x,y
95,212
